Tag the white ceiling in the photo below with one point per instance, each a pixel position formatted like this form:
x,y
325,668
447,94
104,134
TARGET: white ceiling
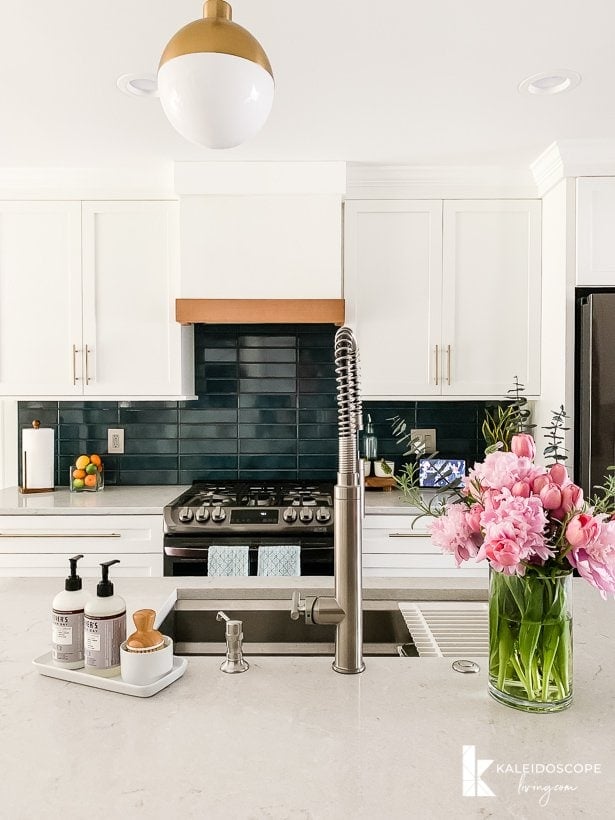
x,y
427,83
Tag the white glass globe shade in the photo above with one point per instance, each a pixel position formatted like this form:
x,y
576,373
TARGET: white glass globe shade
x,y
215,99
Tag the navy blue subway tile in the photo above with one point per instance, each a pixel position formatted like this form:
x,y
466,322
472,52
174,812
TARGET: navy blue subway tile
x,y
267,355
194,446
317,339
86,431
271,340
207,385
88,405
87,416
269,445
318,462
150,446
188,476
267,416
148,462
149,476
206,415
219,354
269,474
265,431
216,371
317,386
318,416
47,418
147,405
208,462
316,355
318,446
135,415
189,431
264,400
267,385
259,370
317,431
214,401
151,431
271,462
311,400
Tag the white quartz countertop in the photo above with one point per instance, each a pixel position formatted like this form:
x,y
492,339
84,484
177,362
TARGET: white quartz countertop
x,y
290,739
393,502
112,500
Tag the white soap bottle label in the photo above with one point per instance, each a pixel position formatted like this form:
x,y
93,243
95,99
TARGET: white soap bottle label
x,y
67,636
103,636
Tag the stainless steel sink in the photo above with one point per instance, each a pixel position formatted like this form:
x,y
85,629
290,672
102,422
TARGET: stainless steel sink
x,y
269,630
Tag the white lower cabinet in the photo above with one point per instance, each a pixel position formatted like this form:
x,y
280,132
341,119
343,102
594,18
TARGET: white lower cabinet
x,y
392,547
40,545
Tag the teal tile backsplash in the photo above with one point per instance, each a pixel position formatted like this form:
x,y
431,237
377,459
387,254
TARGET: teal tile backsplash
x,y
265,408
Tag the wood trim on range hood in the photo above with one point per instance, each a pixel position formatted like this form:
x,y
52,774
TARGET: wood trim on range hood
x,y
260,311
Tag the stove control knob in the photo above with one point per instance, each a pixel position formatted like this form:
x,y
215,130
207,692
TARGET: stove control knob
x,y
202,515
289,515
185,515
218,515
323,514
305,515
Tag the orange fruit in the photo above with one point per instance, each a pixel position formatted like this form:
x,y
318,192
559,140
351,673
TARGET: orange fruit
x,y
82,462
90,480
78,473
96,459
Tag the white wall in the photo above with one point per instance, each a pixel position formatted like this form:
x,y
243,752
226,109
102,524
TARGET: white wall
x,y
558,279
8,443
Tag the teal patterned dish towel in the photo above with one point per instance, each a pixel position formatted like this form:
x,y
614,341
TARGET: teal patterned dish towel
x,y
279,560
225,560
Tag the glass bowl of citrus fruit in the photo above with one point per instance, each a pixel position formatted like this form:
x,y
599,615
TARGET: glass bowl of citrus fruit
x,y
87,475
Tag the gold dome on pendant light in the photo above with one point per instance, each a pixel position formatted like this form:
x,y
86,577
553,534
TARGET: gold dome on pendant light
x,y
215,80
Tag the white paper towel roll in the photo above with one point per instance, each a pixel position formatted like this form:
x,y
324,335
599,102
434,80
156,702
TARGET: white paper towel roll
x,y
37,454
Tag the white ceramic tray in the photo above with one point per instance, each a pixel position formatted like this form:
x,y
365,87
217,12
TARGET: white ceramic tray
x,y
44,665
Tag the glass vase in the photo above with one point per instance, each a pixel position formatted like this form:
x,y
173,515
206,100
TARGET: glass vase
x,y
530,640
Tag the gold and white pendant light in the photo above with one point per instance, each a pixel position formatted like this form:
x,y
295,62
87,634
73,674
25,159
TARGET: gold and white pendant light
x,y
215,80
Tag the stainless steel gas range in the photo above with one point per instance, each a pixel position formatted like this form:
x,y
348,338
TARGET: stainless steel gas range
x,y
250,513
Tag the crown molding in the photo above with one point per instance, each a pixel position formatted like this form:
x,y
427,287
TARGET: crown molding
x,y
141,182
369,181
573,158
259,178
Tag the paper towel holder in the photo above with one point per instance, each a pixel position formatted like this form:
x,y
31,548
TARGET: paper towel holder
x,y
24,487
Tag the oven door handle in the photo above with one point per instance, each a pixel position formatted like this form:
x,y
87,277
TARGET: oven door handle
x,y
186,552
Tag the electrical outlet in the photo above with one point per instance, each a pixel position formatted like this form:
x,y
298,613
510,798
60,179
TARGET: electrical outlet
x,y
427,436
115,441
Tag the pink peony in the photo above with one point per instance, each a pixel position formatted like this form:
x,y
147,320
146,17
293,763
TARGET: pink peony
x,y
504,555
596,560
502,470
582,530
473,517
523,445
452,533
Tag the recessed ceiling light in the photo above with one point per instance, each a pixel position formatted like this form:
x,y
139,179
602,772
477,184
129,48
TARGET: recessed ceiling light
x,y
138,85
550,82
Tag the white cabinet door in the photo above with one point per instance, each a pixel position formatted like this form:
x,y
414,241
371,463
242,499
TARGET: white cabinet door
x,y
132,344
40,298
595,235
48,565
393,288
491,297
261,247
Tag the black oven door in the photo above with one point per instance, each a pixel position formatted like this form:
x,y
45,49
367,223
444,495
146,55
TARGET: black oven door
x,y
185,555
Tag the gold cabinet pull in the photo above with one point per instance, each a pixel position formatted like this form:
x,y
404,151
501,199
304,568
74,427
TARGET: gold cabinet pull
x,y
436,364
448,369
60,535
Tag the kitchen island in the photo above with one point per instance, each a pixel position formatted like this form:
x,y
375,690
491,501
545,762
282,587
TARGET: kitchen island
x,y
290,738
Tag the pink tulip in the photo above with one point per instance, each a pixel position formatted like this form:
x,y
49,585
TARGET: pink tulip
x,y
572,497
473,517
582,530
558,474
540,482
551,497
523,445
521,489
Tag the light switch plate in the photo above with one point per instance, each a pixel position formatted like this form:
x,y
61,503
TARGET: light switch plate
x,y
428,437
115,440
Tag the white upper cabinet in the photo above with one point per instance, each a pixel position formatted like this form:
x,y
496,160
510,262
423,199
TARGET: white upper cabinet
x,y
393,291
87,301
491,297
595,233
445,297
40,297
261,247
131,342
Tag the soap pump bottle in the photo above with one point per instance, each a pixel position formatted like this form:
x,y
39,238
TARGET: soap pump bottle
x,y
105,627
67,621
370,442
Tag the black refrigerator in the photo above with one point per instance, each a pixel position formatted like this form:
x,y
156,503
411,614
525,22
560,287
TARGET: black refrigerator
x,y
595,383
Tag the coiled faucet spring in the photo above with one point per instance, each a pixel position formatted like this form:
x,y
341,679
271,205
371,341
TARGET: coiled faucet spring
x,y
349,409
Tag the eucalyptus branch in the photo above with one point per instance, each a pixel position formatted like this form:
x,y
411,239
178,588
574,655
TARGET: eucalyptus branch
x,y
555,449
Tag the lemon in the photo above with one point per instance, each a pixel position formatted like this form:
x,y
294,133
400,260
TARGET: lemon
x,y
78,484
82,462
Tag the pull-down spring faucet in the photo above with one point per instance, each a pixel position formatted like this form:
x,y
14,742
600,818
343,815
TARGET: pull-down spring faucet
x,y
345,609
